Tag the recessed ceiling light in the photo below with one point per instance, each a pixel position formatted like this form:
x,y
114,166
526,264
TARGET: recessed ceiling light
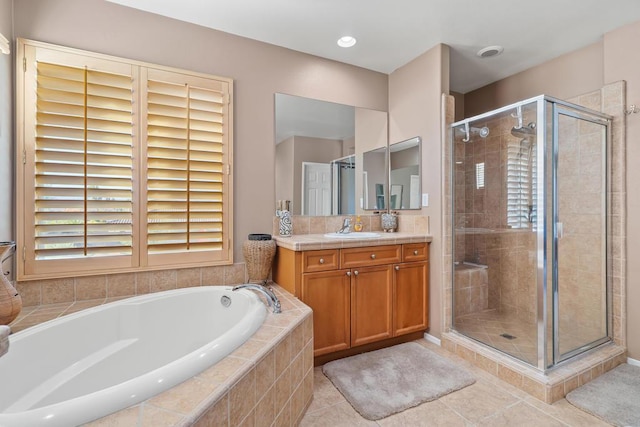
x,y
490,51
346,41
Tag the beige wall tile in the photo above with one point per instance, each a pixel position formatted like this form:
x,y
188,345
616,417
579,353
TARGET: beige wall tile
x,y
188,277
265,409
30,292
212,276
57,290
218,415
283,355
283,389
242,398
93,287
234,274
123,284
265,374
185,397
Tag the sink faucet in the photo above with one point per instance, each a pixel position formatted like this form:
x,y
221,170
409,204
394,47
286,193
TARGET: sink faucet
x,y
346,226
272,299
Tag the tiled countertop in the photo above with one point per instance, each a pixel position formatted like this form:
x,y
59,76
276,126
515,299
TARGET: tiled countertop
x,y
303,242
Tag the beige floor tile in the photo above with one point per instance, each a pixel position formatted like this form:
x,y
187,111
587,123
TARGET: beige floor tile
x,y
521,415
324,393
478,400
428,414
566,412
339,415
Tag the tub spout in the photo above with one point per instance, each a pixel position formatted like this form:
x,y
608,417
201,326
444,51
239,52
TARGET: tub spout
x,y
272,299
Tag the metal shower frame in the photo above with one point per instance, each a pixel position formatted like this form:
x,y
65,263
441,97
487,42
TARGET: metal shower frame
x,y
548,109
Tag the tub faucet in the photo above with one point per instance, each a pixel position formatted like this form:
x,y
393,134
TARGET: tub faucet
x,y
272,299
346,226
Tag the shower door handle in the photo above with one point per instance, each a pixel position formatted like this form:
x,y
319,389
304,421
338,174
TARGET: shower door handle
x,y
560,230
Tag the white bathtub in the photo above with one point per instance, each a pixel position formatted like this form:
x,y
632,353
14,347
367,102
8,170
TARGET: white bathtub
x,y
83,366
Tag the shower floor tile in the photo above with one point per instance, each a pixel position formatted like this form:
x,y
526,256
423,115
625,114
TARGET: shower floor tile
x,y
494,328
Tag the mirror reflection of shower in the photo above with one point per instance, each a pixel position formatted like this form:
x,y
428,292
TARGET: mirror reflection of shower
x,y
343,178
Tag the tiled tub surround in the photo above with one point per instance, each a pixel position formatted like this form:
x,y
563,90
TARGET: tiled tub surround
x,y
267,381
566,377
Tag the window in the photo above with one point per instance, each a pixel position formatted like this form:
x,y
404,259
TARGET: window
x,y
521,183
122,165
479,175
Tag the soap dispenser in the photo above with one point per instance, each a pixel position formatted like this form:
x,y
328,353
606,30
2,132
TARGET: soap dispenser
x,y
358,225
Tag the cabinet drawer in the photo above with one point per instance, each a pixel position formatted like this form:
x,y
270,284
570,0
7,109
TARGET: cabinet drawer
x,y
320,260
370,255
415,252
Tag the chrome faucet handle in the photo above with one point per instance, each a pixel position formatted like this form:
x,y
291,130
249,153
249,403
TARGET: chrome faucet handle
x,y
270,296
346,226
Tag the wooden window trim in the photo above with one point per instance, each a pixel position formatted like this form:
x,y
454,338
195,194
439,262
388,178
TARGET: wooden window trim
x,y
30,269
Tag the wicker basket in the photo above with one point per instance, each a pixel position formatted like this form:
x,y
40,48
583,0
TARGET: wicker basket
x,y
258,255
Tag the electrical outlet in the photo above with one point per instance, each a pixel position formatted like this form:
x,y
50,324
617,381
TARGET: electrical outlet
x,y
425,199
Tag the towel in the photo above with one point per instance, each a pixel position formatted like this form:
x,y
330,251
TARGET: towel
x,y
4,339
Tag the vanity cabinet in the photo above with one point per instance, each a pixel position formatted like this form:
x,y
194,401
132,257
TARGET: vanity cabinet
x,y
360,296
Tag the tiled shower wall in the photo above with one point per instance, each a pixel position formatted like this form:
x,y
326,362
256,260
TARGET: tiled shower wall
x,y
509,254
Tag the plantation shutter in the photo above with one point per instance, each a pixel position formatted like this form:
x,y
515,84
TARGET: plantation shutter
x,y
79,161
120,165
521,184
187,181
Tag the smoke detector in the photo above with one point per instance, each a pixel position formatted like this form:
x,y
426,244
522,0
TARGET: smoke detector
x,y
490,51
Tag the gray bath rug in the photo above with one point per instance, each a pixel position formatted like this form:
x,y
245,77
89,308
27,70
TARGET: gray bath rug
x,y
614,396
387,381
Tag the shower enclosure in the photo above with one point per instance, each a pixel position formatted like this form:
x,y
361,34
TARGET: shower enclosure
x,y
531,230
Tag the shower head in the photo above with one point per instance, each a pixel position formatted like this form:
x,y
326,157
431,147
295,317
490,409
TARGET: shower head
x,y
524,131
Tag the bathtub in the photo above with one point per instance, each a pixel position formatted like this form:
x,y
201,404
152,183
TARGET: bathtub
x,y
83,366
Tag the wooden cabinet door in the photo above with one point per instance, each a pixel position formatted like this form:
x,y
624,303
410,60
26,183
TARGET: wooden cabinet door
x,y
328,294
410,298
371,304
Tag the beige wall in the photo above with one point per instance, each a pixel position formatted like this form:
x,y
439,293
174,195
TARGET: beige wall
x,y
622,62
415,110
6,127
568,75
259,70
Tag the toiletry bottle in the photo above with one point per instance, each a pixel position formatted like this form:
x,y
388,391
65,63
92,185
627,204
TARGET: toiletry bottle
x,y
358,225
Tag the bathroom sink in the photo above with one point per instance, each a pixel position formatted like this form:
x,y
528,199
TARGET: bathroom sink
x,y
353,235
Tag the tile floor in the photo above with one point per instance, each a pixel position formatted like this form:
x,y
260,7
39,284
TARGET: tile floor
x,y
488,402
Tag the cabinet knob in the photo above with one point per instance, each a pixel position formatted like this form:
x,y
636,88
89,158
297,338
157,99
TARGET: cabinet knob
x,y
321,261
355,272
348,273
415,252
373,256
397,268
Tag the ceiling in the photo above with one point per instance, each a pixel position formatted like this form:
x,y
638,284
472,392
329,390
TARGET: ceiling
x,y
392,33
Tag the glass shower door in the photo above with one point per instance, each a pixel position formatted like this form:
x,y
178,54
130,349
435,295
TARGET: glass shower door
x,y
580,230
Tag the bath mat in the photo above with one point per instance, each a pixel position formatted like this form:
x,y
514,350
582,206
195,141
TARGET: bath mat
x,y
387,381
614,396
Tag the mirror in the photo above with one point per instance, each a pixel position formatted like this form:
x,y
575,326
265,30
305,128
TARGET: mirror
x,y
374,179
404,174
318,159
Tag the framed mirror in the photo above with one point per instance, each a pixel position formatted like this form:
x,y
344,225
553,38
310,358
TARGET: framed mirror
x,y
404,174
318,157
374,179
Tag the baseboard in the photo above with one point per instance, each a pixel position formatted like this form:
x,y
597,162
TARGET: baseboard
x,y
633,362
432,339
